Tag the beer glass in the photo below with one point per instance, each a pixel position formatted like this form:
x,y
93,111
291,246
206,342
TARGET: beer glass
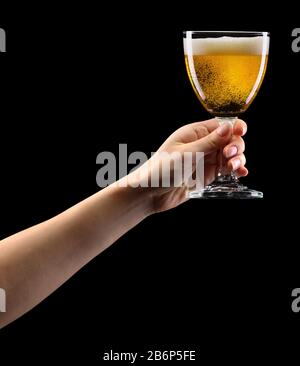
x,y
226,70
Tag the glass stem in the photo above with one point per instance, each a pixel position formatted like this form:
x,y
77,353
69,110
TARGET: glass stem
x,y
223,174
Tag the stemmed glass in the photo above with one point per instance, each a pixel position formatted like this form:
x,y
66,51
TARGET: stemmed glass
x,y
226,70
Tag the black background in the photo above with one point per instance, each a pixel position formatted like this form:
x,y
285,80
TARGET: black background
x,y
211,276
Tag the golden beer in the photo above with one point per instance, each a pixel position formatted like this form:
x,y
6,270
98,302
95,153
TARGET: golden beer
x,y
226,73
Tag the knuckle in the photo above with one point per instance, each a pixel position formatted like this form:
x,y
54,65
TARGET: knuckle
x,y
243,159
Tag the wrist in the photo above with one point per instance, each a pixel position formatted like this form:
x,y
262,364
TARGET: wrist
x,y
139,199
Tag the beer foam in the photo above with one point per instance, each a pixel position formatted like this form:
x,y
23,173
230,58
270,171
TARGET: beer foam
x,y
227,45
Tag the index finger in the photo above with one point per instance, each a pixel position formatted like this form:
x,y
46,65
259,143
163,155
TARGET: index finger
x,y
210,124
239,127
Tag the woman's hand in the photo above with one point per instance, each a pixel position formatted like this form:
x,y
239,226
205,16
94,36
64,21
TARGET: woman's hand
x,y
207,137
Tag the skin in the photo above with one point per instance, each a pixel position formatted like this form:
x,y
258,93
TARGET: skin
x,y
36,261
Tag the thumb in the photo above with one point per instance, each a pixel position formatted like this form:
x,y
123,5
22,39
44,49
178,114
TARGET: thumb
x,y
212,142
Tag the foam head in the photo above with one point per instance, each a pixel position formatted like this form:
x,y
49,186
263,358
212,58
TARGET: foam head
x,y
226,45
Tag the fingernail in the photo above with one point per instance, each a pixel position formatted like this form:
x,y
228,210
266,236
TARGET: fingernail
x,y
244,130
236,163
223,130
231,152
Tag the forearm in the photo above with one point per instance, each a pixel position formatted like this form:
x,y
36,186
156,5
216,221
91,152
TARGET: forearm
x,y
34,262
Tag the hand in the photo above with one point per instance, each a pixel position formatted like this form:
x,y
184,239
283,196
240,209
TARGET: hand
x,y
207,137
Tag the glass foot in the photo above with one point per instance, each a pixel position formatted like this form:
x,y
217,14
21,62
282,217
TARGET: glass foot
x,y
226,191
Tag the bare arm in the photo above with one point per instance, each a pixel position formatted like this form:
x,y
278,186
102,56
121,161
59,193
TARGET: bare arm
x,y
36,261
